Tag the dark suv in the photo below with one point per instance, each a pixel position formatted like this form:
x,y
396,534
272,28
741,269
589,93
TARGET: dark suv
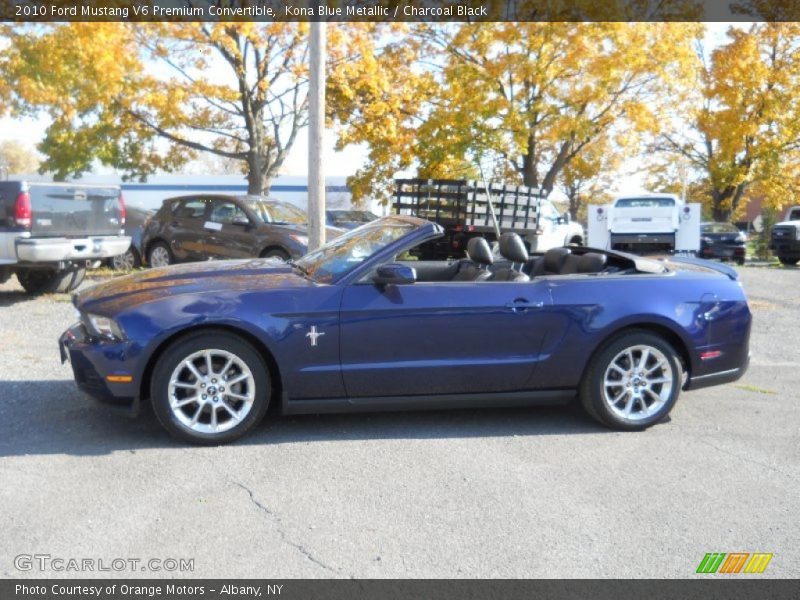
x,y
202,227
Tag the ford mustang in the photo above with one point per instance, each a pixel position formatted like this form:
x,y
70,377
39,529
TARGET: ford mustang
x,y
361,325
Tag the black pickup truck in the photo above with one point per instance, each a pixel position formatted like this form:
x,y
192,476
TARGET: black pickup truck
x,y
49,232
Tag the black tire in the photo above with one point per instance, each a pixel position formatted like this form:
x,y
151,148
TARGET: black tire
x,y
789,262
597,398
47,281
125,262
740,262
160,254
216,398
276,253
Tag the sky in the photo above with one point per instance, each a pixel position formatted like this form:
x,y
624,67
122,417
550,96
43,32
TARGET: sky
x,y
342,163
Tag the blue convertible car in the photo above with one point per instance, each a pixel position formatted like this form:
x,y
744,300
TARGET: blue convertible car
x,y
360,325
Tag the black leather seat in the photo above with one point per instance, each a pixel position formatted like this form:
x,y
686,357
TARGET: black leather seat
x,y
480,259
592,262
552,262
512,248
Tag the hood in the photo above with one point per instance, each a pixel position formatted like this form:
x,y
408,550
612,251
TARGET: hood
x,y
122,293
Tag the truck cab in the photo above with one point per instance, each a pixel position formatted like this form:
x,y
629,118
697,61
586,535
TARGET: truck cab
x,y
646,223
785,239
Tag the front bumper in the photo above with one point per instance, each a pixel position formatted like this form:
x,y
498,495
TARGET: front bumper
x,y
38,250
93,362
784,247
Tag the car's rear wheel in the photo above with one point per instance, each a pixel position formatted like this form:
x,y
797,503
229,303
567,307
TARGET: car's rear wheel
x,y
785,260
159,255
632,382
210,388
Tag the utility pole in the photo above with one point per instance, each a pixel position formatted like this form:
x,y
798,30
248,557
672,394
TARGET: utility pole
x,y
316,128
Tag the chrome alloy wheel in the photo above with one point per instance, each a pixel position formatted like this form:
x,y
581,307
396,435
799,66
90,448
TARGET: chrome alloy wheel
x,y
637,382
211,391
159,257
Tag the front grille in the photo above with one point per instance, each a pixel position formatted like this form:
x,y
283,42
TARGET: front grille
x,y
783,233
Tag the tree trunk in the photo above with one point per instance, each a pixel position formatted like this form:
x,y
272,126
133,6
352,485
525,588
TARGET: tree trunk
x,y
257,183
529,176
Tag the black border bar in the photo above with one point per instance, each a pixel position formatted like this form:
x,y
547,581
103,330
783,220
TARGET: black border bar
x,y
38,11
728,588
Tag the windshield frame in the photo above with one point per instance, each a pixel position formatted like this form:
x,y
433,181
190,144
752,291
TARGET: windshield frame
x,y
422,231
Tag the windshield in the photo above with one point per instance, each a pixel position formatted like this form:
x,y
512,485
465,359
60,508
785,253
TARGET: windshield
x,y
719,228
274,211
346,252
352,216
644,203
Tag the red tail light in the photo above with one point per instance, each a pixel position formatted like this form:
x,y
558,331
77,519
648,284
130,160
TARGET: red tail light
x,y
22,212
122,212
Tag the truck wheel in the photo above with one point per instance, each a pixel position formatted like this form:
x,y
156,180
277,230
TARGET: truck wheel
x,y
51,282
126,262
789,262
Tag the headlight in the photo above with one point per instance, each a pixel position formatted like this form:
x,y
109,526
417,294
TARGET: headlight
x,y
797,233
105,327
300,239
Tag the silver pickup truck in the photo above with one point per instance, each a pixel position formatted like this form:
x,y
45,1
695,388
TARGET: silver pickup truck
x,y
49,232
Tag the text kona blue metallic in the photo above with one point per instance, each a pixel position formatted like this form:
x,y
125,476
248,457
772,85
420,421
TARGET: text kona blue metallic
x,y
360,325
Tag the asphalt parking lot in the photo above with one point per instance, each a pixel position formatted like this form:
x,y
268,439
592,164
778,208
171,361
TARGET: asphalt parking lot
x,y
497,493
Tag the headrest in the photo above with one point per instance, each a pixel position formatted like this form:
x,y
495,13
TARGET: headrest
x,y
554,259
591,262
513,248
479,251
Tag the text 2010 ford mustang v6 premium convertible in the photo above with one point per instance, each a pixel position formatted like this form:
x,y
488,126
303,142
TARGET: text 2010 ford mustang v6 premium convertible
x,y
360,325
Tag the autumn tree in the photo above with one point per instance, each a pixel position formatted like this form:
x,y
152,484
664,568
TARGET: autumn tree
x,y
744,124
16,157
534,95
150,97
589,177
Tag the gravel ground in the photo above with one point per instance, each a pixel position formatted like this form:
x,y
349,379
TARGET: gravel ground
x,y
495,493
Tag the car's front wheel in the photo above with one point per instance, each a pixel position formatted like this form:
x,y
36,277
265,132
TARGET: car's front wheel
x,y
632,382
210,388
788,261
159,255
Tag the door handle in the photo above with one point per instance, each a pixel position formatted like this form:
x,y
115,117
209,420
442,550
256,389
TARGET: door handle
x,y
522,304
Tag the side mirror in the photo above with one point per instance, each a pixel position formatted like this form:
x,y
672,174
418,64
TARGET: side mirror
x,y
241,221
395,273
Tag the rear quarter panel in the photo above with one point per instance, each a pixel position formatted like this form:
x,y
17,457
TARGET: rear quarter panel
x,y
596,307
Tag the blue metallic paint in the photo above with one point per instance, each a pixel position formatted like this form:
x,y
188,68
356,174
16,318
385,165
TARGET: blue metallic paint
x,y
424,339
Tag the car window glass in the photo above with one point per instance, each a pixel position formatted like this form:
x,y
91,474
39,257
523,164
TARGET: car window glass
x,y
273,211
644,203
549,211
191,209
226,212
